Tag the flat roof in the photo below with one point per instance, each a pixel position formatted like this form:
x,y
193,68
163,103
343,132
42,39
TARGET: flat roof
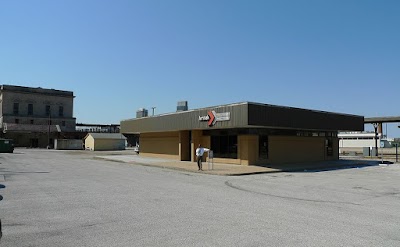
x,y
245,115
38,90
392,119
106,135
236,104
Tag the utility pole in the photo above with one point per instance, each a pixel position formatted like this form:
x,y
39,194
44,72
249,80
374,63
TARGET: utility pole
x,y
48,132
376,138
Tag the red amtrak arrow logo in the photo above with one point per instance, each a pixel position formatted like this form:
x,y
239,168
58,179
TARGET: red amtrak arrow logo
x,y
212,119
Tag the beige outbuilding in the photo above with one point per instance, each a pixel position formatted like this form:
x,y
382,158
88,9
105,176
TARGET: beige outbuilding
x,y
104,141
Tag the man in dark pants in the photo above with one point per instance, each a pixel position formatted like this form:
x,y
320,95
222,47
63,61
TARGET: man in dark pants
x,y
199,156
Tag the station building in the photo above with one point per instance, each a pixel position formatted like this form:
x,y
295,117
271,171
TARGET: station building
x,y
244,133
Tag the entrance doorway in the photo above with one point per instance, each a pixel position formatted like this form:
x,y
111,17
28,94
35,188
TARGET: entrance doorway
x,y
34,142
189,146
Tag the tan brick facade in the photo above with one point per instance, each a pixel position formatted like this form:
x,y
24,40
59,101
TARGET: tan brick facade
x,y
244,133
282,149
24,114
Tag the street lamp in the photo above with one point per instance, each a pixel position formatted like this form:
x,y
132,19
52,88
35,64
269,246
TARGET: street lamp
x,y
48,132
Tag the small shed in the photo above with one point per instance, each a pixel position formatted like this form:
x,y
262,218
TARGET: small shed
x,y
105,141
68,144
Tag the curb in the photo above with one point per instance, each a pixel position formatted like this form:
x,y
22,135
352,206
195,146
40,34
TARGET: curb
x,y
208,172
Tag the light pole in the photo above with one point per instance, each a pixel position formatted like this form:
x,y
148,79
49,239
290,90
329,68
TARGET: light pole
x,y
48,132
376,137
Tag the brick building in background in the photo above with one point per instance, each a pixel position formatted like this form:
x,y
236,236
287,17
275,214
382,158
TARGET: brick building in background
x,y
34,117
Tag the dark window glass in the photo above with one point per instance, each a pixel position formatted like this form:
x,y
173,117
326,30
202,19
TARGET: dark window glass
x,y
263,147
233,147
16,120
47,110
61,111
30,109
31,121
329,146
224,146
16,108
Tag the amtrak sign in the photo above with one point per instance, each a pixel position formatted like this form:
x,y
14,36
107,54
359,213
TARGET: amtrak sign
x,y
212,117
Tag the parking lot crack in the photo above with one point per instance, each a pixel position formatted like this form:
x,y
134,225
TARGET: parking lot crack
x,y
287,197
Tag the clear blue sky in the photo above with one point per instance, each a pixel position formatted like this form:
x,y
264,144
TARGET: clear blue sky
x,y
121,55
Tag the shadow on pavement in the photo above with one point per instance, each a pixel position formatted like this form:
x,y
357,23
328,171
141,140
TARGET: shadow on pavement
x,y
325,166
14,173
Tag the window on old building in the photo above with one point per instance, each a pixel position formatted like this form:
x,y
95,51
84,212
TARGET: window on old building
x,y
30,109
47,110
16,108
61,111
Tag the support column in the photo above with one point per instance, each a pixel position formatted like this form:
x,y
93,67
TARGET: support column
x,y
184,146
196,140
380,129
248,149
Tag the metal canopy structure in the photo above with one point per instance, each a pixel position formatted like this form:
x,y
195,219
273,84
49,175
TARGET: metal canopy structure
x,y
382,120
377,123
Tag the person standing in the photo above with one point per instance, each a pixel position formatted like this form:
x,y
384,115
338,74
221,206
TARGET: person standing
x,y
199,156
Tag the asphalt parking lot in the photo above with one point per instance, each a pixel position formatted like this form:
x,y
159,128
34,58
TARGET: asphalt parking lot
x,y
58,198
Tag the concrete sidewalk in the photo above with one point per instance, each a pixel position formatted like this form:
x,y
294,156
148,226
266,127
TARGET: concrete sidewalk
x,y
236,170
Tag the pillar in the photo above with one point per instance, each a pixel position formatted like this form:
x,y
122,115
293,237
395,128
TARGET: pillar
x,y
184,146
